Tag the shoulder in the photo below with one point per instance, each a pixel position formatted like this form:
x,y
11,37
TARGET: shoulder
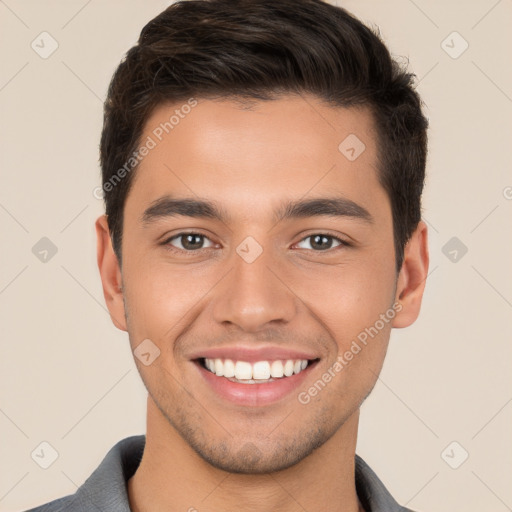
x,y
106,487
372,492
58,505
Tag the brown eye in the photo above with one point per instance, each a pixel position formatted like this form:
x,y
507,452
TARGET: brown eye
x,y
322,242
189,241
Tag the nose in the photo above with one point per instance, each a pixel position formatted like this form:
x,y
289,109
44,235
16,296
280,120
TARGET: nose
x,y
254,295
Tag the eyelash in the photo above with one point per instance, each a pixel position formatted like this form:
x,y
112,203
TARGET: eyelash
x,y
169,247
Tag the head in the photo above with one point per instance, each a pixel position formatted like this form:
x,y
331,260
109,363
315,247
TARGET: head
x,y
252,125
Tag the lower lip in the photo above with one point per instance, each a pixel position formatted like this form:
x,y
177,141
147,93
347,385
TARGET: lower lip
x,y
254,394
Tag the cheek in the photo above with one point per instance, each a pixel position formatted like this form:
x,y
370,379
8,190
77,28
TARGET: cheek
x,y
160,298
354,303
357,311
359,324
348,296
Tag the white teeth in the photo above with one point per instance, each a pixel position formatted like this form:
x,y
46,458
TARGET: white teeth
x,y
259,371
276,369
229,368
288,368
243,370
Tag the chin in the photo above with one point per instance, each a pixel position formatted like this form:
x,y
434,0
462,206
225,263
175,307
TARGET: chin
x,y
247,458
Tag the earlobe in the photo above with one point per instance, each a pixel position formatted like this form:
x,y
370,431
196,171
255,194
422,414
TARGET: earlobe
x,y
412,277
110,273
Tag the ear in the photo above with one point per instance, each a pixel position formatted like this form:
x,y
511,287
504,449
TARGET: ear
x,y
110,273
412,278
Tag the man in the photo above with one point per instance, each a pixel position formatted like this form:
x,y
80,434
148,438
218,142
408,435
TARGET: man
x,y
263,163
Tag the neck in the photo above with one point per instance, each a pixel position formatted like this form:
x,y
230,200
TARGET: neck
x,y
172,477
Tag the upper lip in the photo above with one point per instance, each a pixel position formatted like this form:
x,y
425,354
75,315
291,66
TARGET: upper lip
x,y
253,354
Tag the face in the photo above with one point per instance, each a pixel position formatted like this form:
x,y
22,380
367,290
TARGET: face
x,y
256,256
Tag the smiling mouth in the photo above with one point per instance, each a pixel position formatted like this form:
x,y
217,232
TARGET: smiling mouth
x,y
260,372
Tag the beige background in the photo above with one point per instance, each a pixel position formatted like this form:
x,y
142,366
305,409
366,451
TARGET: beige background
x,y
67,375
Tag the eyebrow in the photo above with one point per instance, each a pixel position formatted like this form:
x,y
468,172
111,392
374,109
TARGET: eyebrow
x,y
167,206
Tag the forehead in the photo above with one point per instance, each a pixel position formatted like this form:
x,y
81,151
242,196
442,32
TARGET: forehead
x,y
249,156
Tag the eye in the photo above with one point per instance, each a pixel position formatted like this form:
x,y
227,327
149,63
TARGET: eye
x,y
321,242
188,242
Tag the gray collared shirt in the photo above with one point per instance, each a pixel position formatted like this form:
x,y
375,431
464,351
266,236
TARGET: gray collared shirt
x,y
106,489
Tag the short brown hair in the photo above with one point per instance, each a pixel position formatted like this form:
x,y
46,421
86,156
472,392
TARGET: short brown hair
x,y
259,49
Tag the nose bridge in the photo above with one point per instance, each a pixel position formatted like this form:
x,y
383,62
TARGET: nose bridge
x,y
252,295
